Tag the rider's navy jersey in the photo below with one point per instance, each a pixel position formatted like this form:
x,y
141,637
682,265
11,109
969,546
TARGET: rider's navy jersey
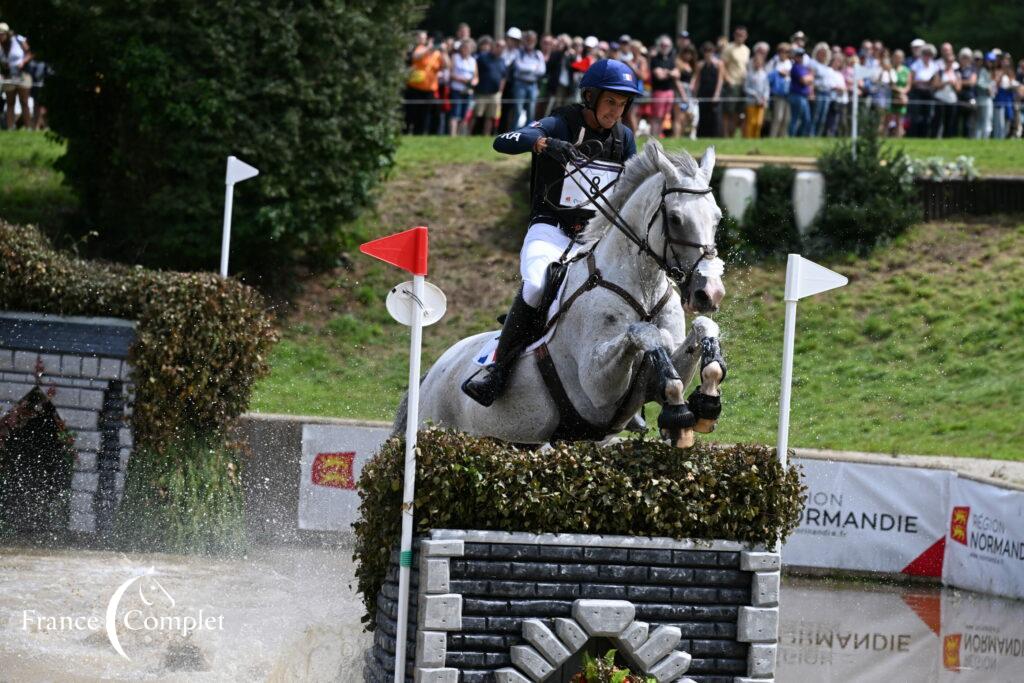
x,y
565,123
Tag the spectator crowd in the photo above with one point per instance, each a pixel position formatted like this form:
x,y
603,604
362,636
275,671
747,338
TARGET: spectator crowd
x,y
22,77
460,85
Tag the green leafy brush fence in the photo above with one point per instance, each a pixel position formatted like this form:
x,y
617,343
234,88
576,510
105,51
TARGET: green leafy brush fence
x,y
201,343
635,487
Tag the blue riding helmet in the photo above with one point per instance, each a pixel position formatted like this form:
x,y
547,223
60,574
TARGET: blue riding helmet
x,y
611,74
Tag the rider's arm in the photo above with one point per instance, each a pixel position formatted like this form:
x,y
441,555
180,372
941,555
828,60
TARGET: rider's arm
x,y
525,139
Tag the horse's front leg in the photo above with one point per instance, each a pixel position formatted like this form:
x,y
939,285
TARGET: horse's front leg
x,y
612,366
702,347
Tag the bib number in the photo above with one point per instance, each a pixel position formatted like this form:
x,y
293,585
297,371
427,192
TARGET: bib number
x,y
595,176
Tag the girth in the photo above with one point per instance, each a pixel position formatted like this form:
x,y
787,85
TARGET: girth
x,y
571,425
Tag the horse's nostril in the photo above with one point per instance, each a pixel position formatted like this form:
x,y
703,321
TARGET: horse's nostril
x,y
702,301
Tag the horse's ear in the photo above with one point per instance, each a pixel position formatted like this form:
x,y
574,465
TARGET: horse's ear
x,y
707,163
656,153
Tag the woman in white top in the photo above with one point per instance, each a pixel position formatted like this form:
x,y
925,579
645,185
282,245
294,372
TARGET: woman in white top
x,y
946,83
464,77
922,71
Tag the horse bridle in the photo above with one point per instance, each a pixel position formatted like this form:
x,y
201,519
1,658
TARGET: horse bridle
x,y
680,276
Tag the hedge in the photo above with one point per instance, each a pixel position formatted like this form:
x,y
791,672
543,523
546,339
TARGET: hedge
x,y
153,95
201,340
635,487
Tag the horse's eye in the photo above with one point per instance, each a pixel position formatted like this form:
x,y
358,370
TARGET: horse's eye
x,y
675,219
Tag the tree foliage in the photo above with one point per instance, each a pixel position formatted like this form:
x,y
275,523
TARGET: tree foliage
x,y
153,96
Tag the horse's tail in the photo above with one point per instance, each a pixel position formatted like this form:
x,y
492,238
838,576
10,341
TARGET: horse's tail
x,y
402,414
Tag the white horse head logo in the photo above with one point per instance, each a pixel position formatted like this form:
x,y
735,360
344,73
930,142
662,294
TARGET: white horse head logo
x,y
150,585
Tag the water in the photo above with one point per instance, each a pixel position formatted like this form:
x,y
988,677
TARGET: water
x,y
292,614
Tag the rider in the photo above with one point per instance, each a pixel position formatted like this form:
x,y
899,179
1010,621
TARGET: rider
x,y
556,217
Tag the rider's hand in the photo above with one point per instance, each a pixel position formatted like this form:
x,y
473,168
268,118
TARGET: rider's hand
x,y
560,150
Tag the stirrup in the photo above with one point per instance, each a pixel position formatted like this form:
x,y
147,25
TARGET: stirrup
x,y
485,390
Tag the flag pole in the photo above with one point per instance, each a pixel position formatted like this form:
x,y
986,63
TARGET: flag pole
x,y
408,495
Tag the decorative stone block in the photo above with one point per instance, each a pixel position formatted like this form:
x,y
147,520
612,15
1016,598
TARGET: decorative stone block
x,y
70,365
744,679
85,461
440,675
431,649
110,368
434,575
51,363
758,625
90,366
673,665
82,502
87,441
603,617
541,637
125,437
80,419
25,361
530,662
88,398
440,612
571,634
85,481
760,561
634,636
764,589
6,359
442,548
661,642
82,521
761,660
509,675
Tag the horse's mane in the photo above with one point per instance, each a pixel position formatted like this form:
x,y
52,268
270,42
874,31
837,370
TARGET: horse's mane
x,y
637,170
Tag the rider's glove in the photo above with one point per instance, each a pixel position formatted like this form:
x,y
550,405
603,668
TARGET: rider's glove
x,y
559,150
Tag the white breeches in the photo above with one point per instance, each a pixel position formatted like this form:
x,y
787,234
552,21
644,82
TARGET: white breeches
x,y
543,245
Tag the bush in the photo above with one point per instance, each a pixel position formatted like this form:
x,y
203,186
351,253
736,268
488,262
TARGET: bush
x,y
153,96
868,199
184,498
633,487
769,227
201,340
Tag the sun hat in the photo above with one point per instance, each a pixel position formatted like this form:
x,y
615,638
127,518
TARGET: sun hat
x,y
514,33
917,42
590,41
4,28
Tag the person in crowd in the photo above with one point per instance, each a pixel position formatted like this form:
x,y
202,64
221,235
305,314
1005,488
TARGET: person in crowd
x,y
421,87
463,33
967,98
585,58
559,75
528,67
608,88
664,80
707,86
442,112
683,41
735,58
39,71
14,57
465,76
922,74
916,46
638,61
984,90
779,68
491,81
798,40
513,40
686,112
899,87
823,92
1002,103
757,91
801,85
946,86
841,80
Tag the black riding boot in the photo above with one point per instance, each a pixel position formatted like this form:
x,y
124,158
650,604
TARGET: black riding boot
x,y
521,325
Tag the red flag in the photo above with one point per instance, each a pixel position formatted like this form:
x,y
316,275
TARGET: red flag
x,y
407,250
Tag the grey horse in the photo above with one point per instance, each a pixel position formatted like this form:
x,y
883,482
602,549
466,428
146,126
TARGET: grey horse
x,y
620,342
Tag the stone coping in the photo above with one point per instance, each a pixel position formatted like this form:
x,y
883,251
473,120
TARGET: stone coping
x,y
74,319
524,538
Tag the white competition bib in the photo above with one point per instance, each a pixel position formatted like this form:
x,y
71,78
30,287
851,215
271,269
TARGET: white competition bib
x,y
601,174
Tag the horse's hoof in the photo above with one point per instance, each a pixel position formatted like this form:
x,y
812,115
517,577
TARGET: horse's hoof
x,y
680,438
676,416
705,426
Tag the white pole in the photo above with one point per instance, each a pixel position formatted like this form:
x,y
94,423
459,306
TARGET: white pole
x,y
788,337
225,244
405,558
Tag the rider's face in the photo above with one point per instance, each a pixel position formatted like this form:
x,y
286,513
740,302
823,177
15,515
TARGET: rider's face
x,y
610,106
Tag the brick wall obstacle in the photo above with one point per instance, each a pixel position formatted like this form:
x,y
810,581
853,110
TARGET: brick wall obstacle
x,y
82,364
500,607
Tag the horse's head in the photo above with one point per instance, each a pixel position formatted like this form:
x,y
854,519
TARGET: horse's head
x,y
689,222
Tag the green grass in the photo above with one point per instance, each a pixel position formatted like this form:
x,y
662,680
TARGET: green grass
x,y
30,190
